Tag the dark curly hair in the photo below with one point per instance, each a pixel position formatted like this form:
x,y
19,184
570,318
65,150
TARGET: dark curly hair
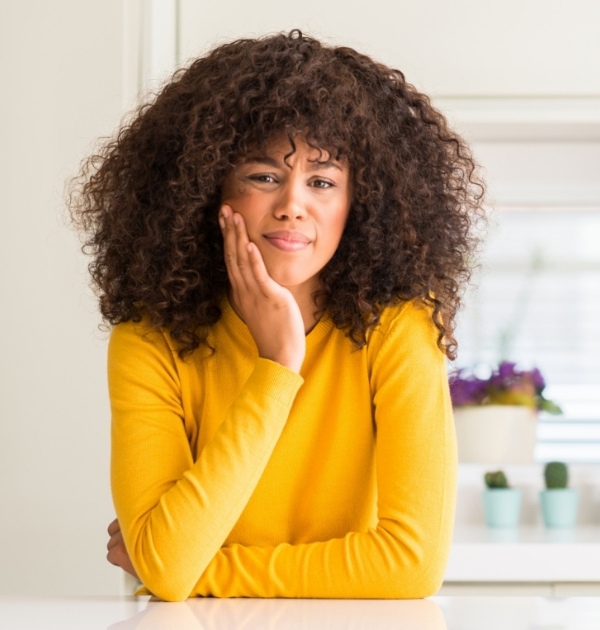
x,y
147,202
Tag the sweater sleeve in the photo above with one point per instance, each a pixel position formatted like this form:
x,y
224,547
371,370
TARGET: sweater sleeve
x,y
405,555
174,513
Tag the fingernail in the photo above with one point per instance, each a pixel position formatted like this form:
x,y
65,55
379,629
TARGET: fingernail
x,y
225,211
236,219
222,222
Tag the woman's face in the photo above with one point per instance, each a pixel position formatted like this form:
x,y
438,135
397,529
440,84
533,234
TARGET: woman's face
x,y
295,213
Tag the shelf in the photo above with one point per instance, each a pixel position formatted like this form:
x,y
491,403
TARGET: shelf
x,y
524,554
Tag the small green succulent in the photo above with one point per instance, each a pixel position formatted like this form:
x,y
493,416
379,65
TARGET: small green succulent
x,y
496,480
556,475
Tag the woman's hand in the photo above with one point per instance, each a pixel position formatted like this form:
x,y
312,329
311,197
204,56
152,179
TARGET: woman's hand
x,y
268,309
117,554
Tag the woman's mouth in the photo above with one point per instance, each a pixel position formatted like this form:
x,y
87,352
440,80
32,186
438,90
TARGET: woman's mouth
x,y
287,241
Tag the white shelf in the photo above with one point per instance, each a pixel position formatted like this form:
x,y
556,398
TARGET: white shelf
x,y
524,554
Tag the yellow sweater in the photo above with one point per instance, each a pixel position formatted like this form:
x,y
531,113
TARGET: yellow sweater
x,y
233,476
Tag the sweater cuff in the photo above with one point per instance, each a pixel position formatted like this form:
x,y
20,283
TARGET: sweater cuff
x,y
275,380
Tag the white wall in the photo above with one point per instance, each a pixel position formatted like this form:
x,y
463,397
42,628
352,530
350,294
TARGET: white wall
x,y
61,68
62,65
449,48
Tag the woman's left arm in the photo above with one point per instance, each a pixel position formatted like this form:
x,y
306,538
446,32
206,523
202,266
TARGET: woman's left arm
x,y
405,555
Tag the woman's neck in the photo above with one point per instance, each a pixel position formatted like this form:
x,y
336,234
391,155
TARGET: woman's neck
x,y
303,299
307,310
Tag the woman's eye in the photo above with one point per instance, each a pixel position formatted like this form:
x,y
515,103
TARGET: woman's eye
x,y
262,177
322,183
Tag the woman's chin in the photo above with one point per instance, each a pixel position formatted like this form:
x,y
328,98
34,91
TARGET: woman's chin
x,y
288,278
290,273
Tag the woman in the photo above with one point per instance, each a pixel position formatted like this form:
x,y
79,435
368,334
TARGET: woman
x,y
279,243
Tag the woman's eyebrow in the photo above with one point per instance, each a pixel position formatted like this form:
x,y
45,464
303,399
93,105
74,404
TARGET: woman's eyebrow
x,y
315,165
261,159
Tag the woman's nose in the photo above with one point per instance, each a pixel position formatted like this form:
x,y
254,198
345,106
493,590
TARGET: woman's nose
x,y
291,204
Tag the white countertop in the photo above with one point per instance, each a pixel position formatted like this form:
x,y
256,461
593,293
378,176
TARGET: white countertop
x,y
438,613
524,554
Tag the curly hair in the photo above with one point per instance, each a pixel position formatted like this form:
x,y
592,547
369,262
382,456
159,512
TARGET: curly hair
x,y
147,201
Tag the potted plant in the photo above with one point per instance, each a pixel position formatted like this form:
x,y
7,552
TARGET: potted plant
x,y
496,417
502,504
559,503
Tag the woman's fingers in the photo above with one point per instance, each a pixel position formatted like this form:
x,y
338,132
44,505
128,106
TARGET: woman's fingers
x,y
229,247
245,264
117,552
241,250
114,527
231,250
251,264
115,539
119,557
265,283
237,260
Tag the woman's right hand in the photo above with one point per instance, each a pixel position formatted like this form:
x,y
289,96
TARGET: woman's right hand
x,y
268,309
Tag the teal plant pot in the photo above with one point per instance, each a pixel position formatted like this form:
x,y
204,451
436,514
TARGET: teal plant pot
x,y
502,507
559,506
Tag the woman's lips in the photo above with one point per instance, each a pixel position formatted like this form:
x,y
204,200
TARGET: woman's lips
x,y
287,240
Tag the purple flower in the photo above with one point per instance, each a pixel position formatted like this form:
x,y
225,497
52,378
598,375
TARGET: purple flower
x,y
508,378
538,380
466,391
507,385
507,370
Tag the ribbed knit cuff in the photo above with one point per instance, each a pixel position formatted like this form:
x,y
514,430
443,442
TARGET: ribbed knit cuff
x,y
275,381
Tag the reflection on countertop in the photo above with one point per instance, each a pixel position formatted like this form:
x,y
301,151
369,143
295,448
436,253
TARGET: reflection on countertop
x,y
299,614
437,613
143,613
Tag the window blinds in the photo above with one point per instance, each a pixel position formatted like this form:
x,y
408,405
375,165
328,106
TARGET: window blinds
x,y
536,301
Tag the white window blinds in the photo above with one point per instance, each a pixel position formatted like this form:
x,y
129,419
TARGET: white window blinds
x,y
537,302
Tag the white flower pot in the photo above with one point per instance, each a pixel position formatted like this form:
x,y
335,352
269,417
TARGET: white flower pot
x,y
496,434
